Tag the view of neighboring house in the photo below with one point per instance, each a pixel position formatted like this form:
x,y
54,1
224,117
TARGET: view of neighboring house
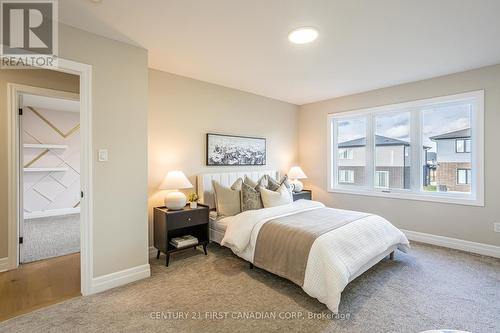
x,y
392,162
453,172
447,169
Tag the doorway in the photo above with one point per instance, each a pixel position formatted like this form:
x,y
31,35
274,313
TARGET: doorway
x,y
47,165
49,272
49,225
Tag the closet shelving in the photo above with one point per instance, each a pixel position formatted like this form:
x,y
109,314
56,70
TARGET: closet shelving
x,y
45,146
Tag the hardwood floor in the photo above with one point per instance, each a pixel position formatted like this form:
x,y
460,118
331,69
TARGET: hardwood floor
x,y
38,284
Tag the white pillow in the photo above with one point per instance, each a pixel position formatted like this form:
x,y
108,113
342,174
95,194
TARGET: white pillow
x,y
227,200
276,198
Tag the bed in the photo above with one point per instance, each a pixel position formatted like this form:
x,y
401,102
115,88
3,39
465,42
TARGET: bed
x,y
319,248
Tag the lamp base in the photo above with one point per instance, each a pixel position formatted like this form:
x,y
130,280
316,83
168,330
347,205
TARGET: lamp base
x,y
297,185
175,200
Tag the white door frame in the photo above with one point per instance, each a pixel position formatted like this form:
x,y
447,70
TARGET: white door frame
x,y
84,72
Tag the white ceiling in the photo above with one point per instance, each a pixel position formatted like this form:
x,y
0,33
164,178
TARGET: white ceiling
x,y
242,44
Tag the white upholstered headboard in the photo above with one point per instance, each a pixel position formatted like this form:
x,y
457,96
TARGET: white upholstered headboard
x,y
204,181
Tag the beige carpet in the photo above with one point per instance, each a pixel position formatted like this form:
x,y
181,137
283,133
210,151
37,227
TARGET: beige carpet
x,y
429,288
49,237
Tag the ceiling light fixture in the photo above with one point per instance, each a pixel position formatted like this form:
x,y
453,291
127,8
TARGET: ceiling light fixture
x,y
303,35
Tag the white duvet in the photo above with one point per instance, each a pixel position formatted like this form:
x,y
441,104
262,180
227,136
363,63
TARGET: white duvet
x,y
335,258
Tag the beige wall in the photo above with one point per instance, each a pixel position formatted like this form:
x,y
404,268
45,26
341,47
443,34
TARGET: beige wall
x,y
463,222
183,110
119,124
38,78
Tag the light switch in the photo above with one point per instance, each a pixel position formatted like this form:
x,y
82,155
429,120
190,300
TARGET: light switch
x,y
103,155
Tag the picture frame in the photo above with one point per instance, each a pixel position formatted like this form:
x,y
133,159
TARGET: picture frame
x,y
235,150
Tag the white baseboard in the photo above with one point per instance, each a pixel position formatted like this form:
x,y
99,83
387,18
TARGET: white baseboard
x,y
454,243
120,278
4,264
52,212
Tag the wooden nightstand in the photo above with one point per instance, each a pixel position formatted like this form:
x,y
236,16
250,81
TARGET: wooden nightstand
x,y
304,194
175,223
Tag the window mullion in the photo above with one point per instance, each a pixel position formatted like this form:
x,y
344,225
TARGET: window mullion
x,y
333,151
416,151
370,152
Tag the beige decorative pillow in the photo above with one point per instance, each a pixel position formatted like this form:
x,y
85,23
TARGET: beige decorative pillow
x,y
276,198
250,198
237,184
261,182
227,200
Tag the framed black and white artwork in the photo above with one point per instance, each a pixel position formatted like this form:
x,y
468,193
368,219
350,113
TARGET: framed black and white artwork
x,y
235,150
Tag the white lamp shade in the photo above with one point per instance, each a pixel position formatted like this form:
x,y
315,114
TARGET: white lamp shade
x,y
175,180
296,173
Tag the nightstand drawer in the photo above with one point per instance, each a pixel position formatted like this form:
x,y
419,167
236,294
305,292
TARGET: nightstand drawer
x,y
183,219
302,195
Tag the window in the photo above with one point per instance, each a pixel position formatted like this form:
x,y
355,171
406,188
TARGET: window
x,y
448,143
462,145
351,136
464,176
346,154
392,149
382,179
346,176
410,150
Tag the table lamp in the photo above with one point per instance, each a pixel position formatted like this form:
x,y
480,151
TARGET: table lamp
x,y
295,174
174,181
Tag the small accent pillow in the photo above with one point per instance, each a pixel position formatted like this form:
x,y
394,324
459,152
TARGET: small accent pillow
x,y
276,198
227,200
250,197
274,185
261,182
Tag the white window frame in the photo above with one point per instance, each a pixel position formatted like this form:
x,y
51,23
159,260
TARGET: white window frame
x,y
416,192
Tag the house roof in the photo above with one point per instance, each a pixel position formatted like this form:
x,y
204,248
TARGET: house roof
x,y
463,133
379,141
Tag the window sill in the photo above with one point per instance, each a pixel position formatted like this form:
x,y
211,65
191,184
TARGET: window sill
x,y
456,199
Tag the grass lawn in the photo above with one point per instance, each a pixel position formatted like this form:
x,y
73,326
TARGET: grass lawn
x,y
430,188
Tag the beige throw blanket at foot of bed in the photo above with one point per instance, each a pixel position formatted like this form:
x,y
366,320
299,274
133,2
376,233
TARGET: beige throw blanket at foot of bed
x,y
283,244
